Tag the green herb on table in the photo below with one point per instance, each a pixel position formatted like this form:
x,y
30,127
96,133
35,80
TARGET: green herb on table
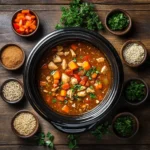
x,y
118,21
80,14
45,140
135,91
73,141
124,126
101,130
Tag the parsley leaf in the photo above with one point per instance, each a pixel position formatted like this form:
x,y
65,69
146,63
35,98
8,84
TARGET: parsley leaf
x,y
92,95
101,130
80,14
75,59
91,71
54,100
72,141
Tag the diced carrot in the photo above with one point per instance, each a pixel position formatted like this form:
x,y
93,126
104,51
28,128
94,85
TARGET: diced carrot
x,y
72,65
98,86
63,92
57,75
94,75
60,98
44,66
56,81
86,65
84,80
65,86
69,72
25,11
65,109
43,83
74,47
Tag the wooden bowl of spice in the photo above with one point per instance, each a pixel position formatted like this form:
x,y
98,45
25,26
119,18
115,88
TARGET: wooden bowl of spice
x,y
12,91
25,124
118,22
12,56
134,53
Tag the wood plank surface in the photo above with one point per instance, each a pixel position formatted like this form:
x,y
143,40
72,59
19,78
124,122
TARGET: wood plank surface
x,y
49,14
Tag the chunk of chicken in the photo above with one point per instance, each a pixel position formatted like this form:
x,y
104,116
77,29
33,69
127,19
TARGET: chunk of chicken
x,y
65,78
81,94
73,53
66,53
48,78
74,105
60,53
70,94
55,89
79,64
59,48
64,64
81,88
52,66
104,70
57,59
90,90
74,81
101,59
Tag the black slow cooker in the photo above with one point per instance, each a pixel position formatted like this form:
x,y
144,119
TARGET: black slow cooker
x,y
84,122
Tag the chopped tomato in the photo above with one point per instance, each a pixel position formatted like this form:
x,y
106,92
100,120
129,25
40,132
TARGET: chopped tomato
x,y
74,47
65,86
86,58
87,84
77,77
65,109
16,26
43,83
69,72
56,81
84,80
60,98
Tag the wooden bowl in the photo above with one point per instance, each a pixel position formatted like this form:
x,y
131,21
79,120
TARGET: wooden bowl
x,y
23,60
136,124
146,91
118,32
25,35
1,89
24,136
139,43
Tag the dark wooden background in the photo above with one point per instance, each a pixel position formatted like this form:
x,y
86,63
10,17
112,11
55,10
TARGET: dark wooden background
x,y
49,14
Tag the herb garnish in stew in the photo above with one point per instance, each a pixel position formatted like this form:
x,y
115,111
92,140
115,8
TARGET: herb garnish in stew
x,y
74,77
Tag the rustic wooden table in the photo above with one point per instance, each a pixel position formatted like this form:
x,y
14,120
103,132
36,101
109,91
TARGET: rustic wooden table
x,y
49,14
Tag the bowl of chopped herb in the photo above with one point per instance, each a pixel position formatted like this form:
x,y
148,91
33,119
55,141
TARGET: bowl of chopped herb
x,y
118,22
135,91
125,125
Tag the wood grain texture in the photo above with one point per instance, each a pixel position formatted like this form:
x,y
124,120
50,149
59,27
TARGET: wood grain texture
x,y
49,16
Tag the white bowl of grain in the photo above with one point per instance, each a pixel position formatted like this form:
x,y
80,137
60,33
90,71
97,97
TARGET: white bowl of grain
x,y
134,53
25,124
12,91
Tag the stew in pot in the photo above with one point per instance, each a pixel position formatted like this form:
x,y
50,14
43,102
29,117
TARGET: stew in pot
x,y
73,78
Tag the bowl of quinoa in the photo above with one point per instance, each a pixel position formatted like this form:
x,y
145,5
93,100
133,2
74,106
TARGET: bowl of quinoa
x,y
24,124
134,53
12,91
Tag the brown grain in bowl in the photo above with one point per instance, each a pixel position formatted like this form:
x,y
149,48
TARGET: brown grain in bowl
x,y
25,124
12,56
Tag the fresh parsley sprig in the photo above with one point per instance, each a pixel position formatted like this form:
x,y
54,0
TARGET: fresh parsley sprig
x,y
101,130
73,141
80,14
45,140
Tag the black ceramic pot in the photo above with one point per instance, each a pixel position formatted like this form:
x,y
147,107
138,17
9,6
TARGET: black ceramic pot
x,y
81,123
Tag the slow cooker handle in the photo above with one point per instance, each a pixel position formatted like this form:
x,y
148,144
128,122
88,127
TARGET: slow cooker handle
x,y
73,129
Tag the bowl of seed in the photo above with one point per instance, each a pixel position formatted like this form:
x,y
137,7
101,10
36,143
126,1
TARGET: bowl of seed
x,y
12,91
134,53
25,124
